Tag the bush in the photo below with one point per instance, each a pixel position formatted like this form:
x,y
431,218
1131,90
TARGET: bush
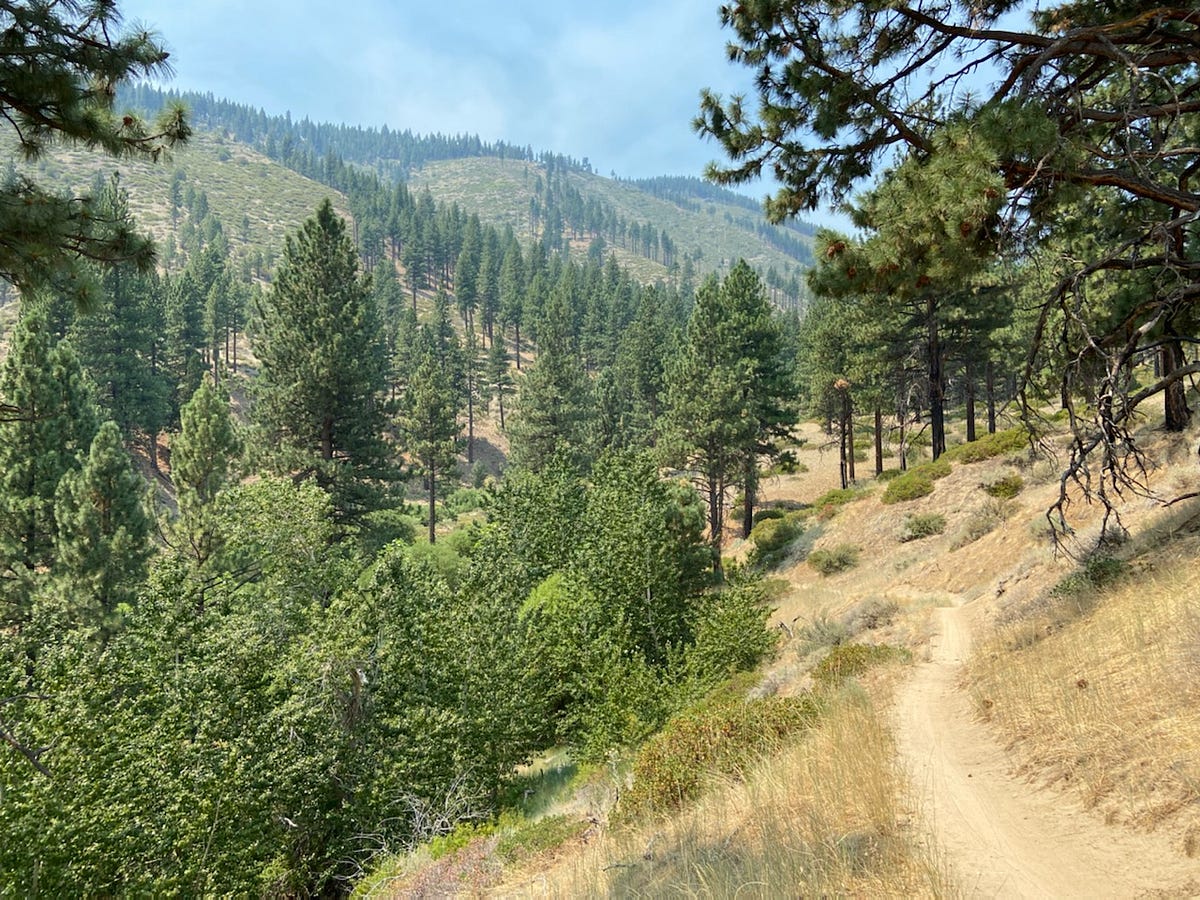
x,y
981,522
874,612
989,446
889,475
709,740
851,660
835,559
934,469
528,839
839,497
466,500
822,631
1005,488
771,538
922,525
768,512
909,486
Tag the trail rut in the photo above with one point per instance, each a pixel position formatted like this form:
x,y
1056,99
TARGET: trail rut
x,y
1002,836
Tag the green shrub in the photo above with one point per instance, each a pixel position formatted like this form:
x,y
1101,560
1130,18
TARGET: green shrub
x,y
839,497
466,500
706,741
1005,488
851,660
1097,573
835,559
909,486
774,534
889,475
934,469
768,512
922,525
989,446
463,834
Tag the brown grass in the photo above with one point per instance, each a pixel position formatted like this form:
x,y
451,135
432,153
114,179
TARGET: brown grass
x,y
822,817
1110,702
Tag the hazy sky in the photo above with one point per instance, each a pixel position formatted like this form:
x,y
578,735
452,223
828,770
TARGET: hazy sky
x,y
616,81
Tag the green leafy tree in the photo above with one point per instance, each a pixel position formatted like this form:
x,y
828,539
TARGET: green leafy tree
x,y
320,395
82,54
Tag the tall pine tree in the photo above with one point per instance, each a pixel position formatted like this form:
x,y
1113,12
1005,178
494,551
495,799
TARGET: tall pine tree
x,y
320,396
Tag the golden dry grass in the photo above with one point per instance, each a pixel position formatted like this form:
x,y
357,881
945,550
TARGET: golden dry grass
x,y
821,817
1110,702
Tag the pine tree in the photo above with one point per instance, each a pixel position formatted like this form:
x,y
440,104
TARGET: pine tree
x,y
118,341
554,399
81,56
321,389
499,379
429,422
47,422
103,540
203,457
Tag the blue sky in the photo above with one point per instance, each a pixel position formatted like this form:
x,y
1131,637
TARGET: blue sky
x,y
616,82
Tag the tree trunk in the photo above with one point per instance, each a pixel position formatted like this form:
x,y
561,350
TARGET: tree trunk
x,y
990,387
937,388
970,386
716,510
878,440
432,503
1177,415
470,419
848,430
749,496
327,438
517,331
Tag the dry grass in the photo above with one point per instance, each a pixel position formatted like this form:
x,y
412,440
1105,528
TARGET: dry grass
x,y
822,817
1109,702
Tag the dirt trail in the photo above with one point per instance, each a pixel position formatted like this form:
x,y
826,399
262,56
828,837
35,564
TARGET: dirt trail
x,y
1002,836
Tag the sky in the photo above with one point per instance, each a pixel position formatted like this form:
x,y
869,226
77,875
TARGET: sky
x,y
616,81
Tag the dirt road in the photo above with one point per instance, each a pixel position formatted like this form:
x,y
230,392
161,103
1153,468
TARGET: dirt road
x,y
1002,836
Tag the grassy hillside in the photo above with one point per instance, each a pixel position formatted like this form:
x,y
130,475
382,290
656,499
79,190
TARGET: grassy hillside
x,y
499,190
257,200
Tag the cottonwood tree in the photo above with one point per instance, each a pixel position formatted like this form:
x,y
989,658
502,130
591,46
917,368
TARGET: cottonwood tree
x,y
1090,102
60,64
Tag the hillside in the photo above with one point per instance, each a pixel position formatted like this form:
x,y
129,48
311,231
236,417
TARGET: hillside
x,y
714,233
1057,758
257,200
709,225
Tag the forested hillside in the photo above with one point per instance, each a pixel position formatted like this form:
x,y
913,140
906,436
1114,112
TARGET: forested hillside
x,y
655,227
